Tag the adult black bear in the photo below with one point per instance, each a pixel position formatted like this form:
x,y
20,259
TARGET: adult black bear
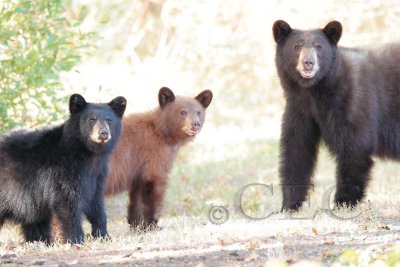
x,y
60,171
348,97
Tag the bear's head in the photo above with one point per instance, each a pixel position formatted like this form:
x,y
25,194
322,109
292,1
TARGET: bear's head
x,y
305,57
182,117
98,125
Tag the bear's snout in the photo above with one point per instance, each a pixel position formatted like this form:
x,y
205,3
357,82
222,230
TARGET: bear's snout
x,y
100,133
196,125
308,63
103,135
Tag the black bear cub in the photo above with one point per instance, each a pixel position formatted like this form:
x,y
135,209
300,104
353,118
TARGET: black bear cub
x,y
60,171
347,97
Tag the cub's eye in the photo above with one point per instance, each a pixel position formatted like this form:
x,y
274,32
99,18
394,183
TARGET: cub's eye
x,y
297,47
92,120
198,113
108,120
318,46
183,112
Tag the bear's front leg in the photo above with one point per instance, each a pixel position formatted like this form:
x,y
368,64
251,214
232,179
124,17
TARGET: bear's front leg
x,y
153,197
353,170
299,144
96,215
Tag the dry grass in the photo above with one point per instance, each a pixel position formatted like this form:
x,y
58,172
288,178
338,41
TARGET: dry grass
x,y
187,231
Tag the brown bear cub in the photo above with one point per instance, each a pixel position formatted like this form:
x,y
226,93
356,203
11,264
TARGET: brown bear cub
x,y
147,149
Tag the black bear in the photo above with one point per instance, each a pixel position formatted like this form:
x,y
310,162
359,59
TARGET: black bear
x,y
147,149
347,97
60,171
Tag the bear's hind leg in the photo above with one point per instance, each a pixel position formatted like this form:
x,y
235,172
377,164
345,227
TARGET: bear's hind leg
x,y
71,224
352,179
136,206
37,231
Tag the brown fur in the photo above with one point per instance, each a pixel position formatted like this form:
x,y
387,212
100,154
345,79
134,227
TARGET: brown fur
x,y
147,149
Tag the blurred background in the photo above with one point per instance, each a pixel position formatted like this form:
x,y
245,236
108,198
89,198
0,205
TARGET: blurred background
x,y
101,49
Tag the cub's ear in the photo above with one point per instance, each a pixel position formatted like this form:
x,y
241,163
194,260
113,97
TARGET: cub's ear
x,y
118,104
205,98
165,96
76,103
281,29
333,30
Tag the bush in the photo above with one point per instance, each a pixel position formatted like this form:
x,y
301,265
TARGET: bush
x,y
37,42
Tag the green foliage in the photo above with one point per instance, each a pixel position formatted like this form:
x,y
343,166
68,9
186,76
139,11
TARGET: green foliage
x,y
37,42
349,256
369,257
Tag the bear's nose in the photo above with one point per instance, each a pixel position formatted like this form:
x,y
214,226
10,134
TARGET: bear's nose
x,y
308,63
196,125
103,135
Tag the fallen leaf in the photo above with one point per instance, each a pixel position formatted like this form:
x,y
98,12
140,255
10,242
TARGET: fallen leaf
x,y
221,241
253,244
314,230
328,241
251,257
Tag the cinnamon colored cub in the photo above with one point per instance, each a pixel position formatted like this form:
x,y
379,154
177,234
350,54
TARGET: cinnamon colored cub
x,y
147,149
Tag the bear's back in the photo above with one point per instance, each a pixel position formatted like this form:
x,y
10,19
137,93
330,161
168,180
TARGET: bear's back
x,y
25,145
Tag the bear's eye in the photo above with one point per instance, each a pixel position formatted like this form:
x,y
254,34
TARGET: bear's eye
x,y
92,121
183,112
108,120
318,46
297,47
198,113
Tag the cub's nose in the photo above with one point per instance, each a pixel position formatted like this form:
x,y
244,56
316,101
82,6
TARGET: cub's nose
x,y
308,63
103,135
196,125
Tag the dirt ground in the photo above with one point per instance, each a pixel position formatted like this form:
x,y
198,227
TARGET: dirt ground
x,y
229,244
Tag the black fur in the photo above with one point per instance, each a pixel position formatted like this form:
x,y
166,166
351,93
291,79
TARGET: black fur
x,y
59,171
352,104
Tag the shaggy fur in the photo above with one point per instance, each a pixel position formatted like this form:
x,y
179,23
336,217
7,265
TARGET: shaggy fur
x,y
145,154
347,97
60,171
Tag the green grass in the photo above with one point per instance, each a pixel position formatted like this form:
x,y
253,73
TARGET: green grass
x,y
194,186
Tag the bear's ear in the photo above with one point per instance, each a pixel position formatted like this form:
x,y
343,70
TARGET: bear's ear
x,y
281,29
76,103
205,98
118,104
333,30
165,96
